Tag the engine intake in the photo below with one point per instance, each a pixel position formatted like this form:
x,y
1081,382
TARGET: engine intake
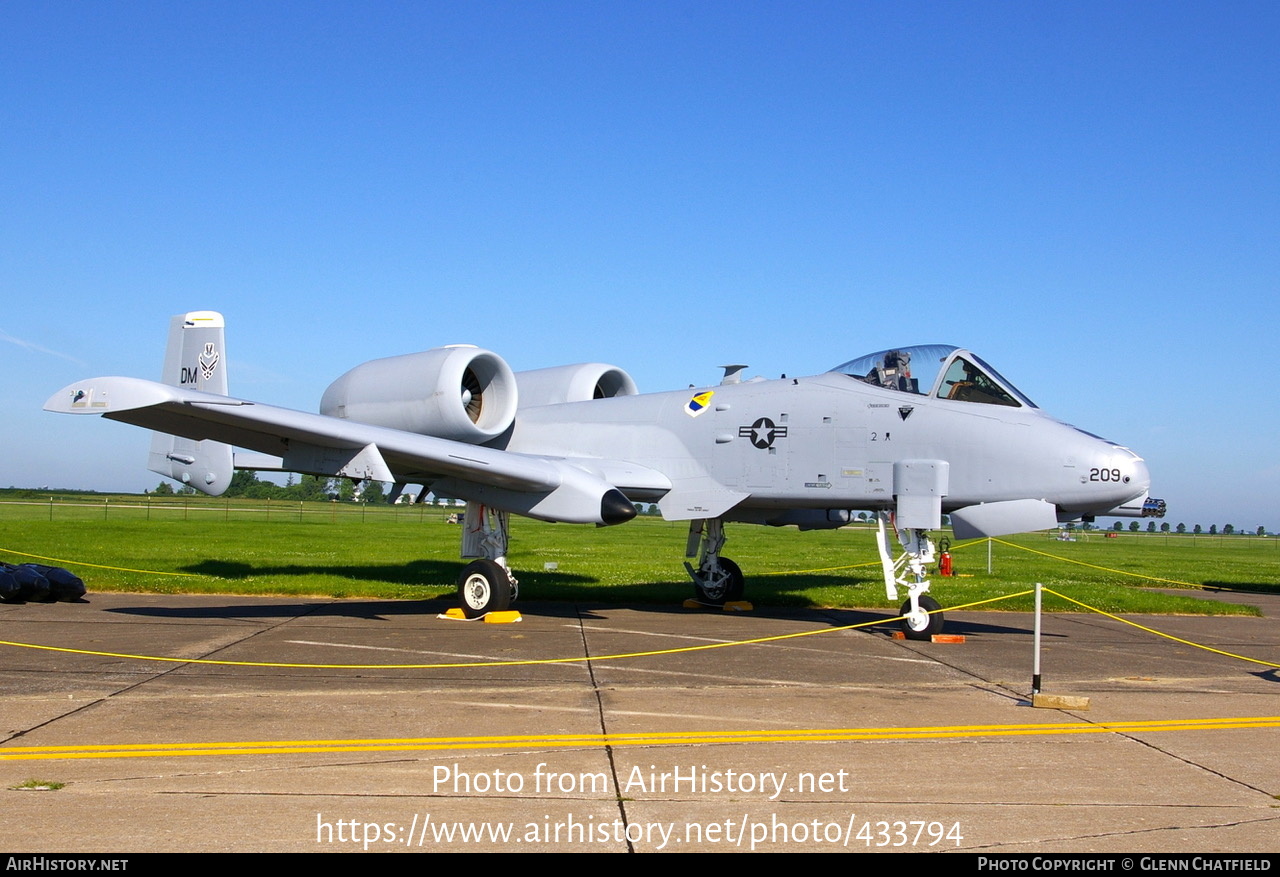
x,y
573,383
460,392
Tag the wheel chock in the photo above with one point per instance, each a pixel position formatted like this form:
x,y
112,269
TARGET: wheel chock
x,y
507,617
1059,702
731,606
943,638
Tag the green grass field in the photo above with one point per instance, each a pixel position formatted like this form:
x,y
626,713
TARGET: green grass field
x,y
126,543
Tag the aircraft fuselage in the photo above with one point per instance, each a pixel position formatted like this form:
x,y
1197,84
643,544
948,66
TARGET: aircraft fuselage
x,y
829,442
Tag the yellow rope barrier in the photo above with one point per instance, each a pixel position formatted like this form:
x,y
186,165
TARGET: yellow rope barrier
x,y
1151,630
61,562
1136,575
652,653
526,663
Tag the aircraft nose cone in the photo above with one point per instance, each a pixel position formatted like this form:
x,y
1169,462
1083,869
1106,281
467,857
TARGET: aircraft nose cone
x,y
1130,479
1141,477
1110,476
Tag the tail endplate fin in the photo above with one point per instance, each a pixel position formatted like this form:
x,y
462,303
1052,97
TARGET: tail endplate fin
x,y
195,359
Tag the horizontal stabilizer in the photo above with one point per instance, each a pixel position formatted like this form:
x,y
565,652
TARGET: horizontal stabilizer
x,y
258,462
1003,518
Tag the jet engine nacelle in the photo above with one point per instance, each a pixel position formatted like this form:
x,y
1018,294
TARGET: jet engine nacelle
x,y
573,383
459,392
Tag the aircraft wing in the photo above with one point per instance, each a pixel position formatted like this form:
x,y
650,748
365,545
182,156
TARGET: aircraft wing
x,y
550,488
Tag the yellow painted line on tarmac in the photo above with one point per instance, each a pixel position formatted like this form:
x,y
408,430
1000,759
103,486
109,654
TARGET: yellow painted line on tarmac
x,y
668,738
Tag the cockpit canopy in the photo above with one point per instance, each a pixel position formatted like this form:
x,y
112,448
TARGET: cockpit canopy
x,y
939,370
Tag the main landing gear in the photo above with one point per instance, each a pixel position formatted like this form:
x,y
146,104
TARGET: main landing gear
x,y
716,580
485,585
921,613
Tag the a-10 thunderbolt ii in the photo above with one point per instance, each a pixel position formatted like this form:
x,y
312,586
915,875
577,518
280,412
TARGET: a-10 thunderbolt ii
x,y
910,433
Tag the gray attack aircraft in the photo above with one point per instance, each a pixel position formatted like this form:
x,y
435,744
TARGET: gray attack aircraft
x,y
910,433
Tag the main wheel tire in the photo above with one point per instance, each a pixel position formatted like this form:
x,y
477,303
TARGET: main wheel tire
x,y
483,587
725,588
922,626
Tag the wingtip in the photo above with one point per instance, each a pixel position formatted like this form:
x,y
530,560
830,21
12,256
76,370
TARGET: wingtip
x,y
72,399
101,395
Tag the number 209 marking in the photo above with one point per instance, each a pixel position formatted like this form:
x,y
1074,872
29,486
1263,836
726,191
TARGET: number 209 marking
x,y
1104,474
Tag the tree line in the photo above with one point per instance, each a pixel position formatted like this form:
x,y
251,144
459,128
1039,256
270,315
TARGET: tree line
x,y
1196,529
312,488
309,488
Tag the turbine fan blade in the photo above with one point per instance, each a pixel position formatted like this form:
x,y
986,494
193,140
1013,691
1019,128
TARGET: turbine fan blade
x,y
473,395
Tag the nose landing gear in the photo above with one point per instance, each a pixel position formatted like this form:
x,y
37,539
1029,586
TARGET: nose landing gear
x,y
922,616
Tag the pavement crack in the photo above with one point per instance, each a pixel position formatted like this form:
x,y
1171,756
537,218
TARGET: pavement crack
x,y
604,729
151,677
1176,757
1135,832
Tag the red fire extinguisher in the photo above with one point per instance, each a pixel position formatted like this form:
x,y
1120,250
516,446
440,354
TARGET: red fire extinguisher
x,y
944,559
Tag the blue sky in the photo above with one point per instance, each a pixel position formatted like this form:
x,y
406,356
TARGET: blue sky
x,y
1086,194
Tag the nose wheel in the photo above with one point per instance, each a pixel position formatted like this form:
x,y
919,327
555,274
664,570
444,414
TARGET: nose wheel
x,y
719,584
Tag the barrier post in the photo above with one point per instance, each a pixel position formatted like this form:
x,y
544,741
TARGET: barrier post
x,y
1035,661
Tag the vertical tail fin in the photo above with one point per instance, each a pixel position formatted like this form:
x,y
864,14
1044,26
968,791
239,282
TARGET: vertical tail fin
x,y
196,358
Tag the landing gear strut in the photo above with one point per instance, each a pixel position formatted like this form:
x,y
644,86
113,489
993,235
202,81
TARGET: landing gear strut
x,y
922,618
485,585
716,580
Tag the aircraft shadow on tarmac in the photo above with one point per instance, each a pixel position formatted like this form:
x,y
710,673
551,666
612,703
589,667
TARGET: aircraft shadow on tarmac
x,y
551,593
545,593
438,578
284,607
